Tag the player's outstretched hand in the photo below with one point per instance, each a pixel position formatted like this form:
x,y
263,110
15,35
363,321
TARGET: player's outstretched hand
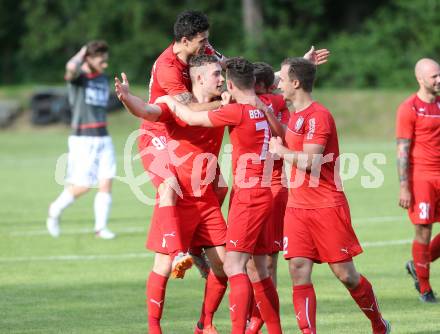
x,y
122,88
276,145
317,57
405,197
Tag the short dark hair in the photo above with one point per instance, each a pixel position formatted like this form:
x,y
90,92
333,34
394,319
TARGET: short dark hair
x,y
201,60
189,23
264,74
302,70
241,72
96,48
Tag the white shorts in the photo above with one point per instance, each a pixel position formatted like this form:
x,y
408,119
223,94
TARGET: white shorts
x,y
90,160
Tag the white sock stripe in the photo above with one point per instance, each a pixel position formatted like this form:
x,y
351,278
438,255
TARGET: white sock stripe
x,y
307,312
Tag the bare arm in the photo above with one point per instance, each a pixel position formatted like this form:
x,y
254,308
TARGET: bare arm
x,y
307,159
135,105
73,66
403,147
185,113
188,99
278,130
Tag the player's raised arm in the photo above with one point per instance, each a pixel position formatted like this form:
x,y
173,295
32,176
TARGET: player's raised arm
x,y
317,57
73,66
185,113
135,105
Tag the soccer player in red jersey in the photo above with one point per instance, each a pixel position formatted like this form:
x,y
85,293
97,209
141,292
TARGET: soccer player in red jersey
x,y
317,225
418,157
170,76
264,87
251,202
199,207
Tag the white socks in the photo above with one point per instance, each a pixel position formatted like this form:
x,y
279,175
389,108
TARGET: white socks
x,y
62,202
102,206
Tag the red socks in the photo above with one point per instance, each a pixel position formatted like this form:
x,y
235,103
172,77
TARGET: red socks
x,y
422,258
267,302
434,248
239,296
256,322
304,302
364,296
215,289
155,294
170,225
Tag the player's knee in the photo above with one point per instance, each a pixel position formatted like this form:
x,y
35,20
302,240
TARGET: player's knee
x,y
217,267
230,268
300,272
349,279
162,265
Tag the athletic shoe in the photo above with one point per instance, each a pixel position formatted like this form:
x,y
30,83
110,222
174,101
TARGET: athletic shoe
x,y
53,226
412,271
210,329
428,297
105,234
181,263
202,264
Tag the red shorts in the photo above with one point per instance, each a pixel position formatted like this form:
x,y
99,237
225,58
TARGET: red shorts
x,y
202,224
154,154
280,195
249,214
323,235
425,208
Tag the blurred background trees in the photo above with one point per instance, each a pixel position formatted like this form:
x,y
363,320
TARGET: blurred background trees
x,y
373,43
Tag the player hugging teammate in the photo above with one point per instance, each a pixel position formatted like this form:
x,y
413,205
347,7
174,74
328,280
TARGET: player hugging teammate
x,y
184,121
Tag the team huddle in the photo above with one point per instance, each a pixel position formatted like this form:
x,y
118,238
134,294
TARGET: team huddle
x,y
286,194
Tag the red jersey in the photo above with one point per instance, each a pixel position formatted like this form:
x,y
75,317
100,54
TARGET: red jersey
x,y
315,125
282,113
169,76
249,134
194,142
420,121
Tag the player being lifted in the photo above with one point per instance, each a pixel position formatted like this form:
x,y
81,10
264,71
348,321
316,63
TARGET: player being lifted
x,y
199,207
317,225
169,76
418,157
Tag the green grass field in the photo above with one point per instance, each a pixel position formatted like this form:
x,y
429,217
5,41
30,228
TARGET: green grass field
x,y
78,284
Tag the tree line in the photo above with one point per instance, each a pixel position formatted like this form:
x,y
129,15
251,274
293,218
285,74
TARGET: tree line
x,y
374,43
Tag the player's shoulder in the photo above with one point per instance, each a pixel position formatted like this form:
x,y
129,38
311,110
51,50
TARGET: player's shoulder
x,y
409,102
317,109
167,57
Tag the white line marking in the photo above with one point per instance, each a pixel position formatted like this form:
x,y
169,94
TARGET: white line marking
x,y
74,232
76,257
144,229
386,243
384,219
147,255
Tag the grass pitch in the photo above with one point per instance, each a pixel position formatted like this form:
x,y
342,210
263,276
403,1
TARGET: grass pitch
x,y
78,284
